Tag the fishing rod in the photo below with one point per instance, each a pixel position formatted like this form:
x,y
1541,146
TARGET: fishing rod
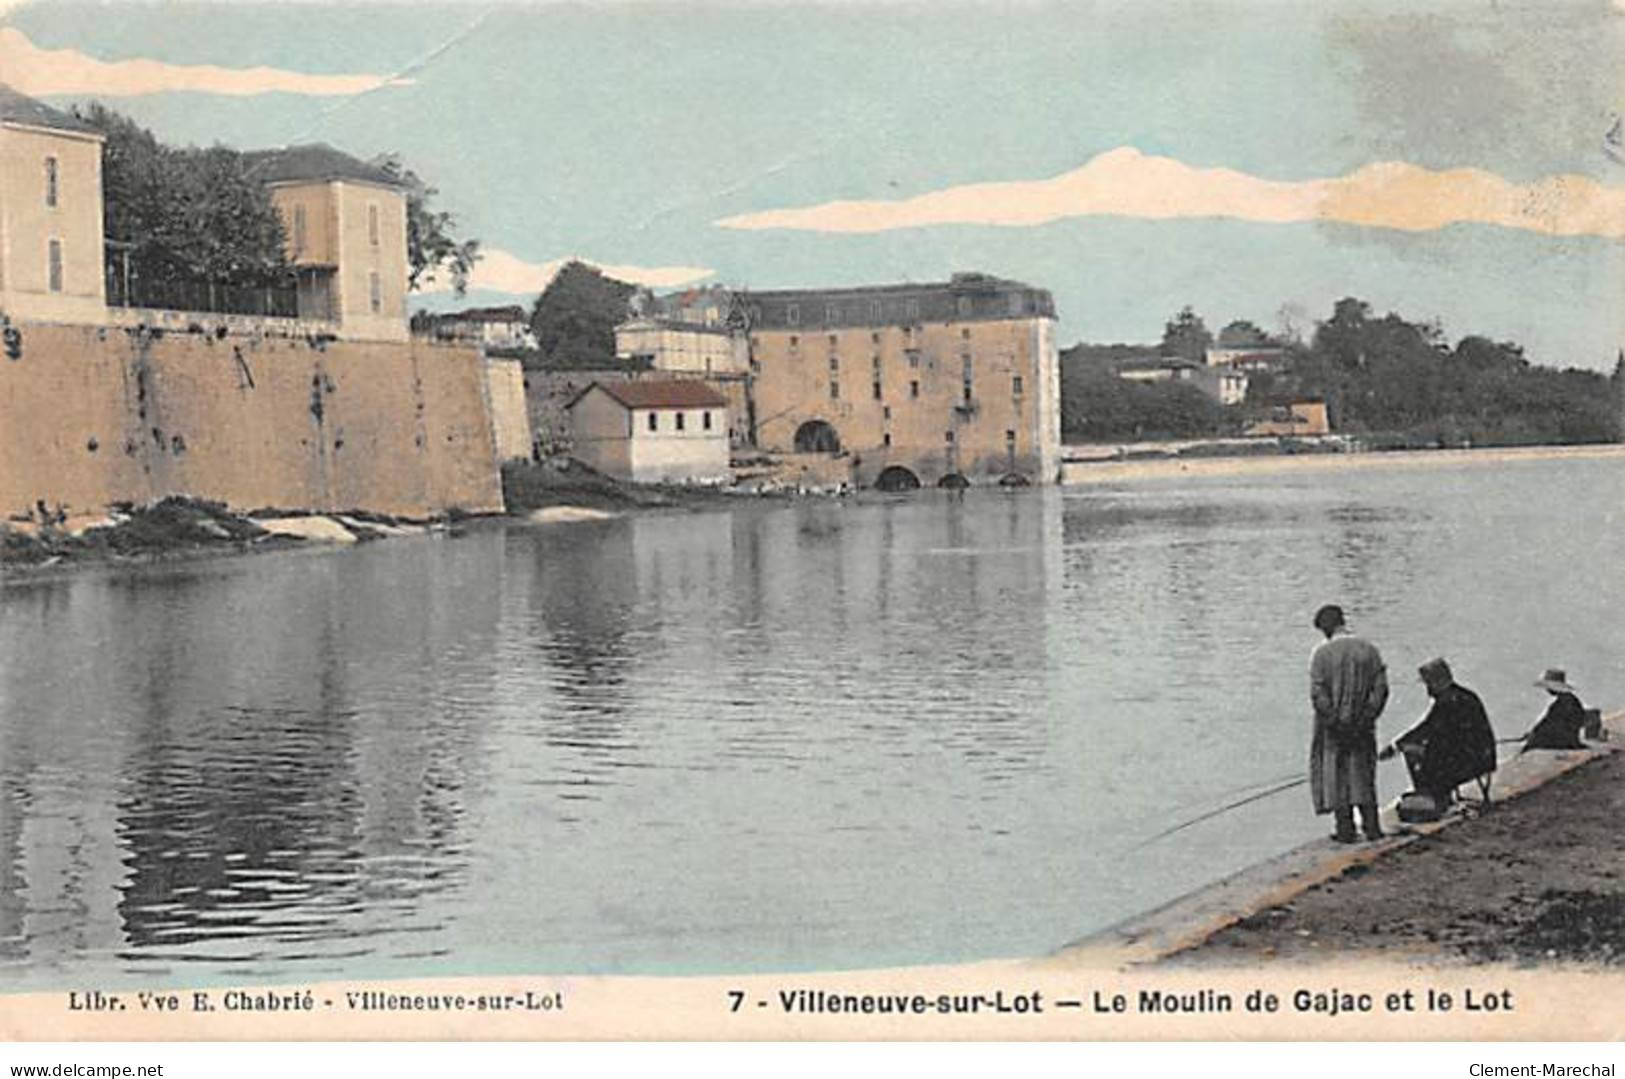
x,y
1277,789
1231,792
1237,804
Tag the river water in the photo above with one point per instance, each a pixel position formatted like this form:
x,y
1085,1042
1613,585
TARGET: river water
x,y
816,735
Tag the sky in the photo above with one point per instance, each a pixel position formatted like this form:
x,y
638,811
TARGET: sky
x,y
1449,161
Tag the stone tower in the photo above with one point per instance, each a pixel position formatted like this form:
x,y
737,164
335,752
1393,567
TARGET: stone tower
x,y
345,222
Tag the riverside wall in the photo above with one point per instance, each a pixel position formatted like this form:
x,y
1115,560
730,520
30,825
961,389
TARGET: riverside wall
x,y
96,415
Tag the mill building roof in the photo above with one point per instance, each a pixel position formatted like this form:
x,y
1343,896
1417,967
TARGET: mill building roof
x,y
964,297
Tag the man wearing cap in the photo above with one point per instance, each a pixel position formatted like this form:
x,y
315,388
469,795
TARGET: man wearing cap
x,y
1453,744
1565,717
1348,685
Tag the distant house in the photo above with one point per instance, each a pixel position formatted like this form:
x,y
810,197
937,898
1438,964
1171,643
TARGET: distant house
x,y
1251,359
706,305
664,344
1228,387
1303,419
1160,369
652,430
1224,385
505,327
1245,347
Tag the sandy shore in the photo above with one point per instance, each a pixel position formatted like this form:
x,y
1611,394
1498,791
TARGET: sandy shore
x,y
1114,471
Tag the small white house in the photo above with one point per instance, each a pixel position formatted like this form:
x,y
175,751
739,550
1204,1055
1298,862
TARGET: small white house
x,y
652,431
1226,385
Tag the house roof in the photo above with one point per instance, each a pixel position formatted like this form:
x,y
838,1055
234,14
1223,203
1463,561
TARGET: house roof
x,y
21,109
509,313
1161,363
658,393
659,322
312,162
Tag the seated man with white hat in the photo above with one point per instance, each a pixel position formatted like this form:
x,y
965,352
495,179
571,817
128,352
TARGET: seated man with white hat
x,y
1565,717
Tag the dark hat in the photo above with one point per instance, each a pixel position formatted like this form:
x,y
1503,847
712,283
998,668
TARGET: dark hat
x,y
1435,670
1329,617
1556,680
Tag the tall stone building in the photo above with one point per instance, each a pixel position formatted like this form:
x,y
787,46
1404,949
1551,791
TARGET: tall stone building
x,y
910,383
345,227
50,213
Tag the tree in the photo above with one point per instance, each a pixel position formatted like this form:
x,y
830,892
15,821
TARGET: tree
x,y
430,246
575,317
1243,334
1186,335
187,214
1098,406
1339,338
1290,318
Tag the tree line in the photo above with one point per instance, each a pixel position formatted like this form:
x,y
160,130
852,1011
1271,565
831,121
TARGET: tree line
x,y
1388,379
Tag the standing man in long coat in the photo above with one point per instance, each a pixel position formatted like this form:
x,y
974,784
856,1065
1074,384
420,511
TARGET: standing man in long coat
x,y
1348,685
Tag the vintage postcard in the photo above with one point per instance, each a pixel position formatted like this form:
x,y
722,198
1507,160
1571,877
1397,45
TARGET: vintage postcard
x,y
812,520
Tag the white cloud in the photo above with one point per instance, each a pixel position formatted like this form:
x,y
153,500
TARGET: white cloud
x,y
1127,183
500,271
32,70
